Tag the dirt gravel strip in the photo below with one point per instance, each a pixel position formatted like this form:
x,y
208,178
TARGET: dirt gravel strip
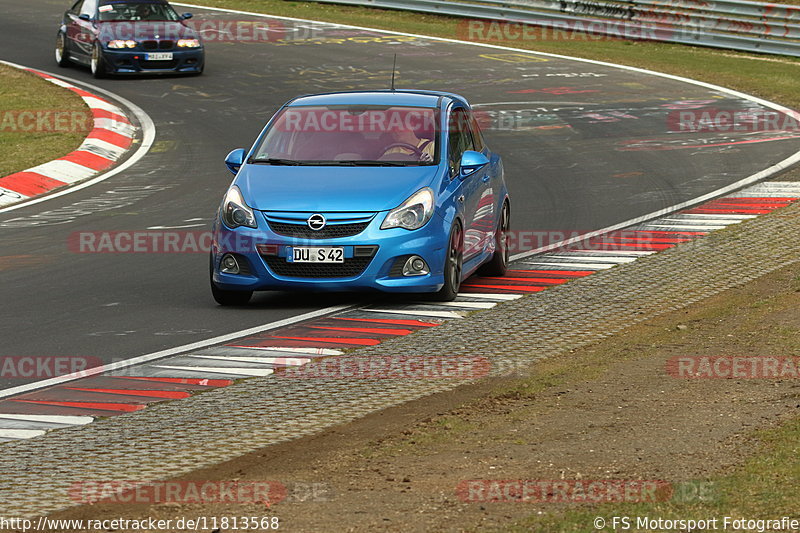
x,y
171,439
108,142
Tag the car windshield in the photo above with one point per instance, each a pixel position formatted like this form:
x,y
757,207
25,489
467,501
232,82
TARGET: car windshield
x,y
134,11
351,135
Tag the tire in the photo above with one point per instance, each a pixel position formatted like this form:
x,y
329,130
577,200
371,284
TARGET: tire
x,y
62,54
497,266
227,298
453,266
97,63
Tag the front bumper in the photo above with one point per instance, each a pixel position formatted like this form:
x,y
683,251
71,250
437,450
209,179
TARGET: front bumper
x,y
380,273
190,61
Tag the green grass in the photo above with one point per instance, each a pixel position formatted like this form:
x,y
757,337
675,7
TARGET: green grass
x,y
23,91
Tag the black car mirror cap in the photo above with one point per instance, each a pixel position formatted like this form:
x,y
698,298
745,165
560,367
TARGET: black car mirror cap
x,y
85,16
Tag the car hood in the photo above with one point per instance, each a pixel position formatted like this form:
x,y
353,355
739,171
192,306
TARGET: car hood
x,y
327,189
142,30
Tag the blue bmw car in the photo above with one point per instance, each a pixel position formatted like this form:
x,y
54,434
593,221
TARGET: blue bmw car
x,y
129,37
393,191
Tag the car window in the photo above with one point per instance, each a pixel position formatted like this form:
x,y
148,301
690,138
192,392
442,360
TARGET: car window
x,y
352,134
89,7
459,138
134,11
77,7
477,135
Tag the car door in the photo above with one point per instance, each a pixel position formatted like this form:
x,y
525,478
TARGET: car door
x,y
86,31
73,30
459,140
485,213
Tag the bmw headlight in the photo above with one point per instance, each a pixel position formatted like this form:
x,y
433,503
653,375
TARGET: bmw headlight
x,y
235,212
413,213
120,43
188,43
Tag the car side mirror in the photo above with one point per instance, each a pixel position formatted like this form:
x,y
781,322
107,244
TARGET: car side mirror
x,y
472,161
235,160
186,16
85,16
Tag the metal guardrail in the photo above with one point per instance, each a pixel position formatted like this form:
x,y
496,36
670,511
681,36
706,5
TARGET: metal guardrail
x,y
729,24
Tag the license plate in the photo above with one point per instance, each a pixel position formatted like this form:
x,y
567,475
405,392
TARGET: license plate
x,y
316,255
158,56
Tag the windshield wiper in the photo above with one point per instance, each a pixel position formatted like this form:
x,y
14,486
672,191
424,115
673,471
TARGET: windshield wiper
x,y
367,163
274,161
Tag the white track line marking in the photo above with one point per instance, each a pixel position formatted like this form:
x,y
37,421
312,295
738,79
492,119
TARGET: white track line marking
x,y
579,259
714,216
220,370
65,171
436,314
471,305
501,297
279,349
686,227
601,254
288,361
53,419
21,433
576,266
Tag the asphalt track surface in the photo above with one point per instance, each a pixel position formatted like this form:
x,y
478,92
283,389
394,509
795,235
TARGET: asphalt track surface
x,y
593,148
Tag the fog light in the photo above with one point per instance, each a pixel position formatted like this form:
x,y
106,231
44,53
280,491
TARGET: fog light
x,y
415,266
229,265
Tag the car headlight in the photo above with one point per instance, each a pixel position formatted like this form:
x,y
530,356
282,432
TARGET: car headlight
x,y
413,213
235,212
188,43
120,43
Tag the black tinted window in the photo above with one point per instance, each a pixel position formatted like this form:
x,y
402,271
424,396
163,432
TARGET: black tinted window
x,y
459,137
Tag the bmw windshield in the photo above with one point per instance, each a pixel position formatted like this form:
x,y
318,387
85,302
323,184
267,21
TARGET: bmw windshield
x,y
136,11
347,135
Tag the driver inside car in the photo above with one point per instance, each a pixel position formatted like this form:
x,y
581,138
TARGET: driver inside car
x,y
146,12
405,141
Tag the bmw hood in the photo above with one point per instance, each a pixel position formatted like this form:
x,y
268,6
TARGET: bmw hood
x,y
329,189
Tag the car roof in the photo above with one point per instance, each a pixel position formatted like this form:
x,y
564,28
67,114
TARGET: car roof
x,y
383,97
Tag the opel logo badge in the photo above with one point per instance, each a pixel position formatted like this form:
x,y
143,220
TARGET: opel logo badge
x,y
316,222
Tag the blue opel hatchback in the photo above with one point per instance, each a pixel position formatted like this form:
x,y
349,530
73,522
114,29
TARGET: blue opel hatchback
x,y
393,191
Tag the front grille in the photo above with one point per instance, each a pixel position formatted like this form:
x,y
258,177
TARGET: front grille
x,y
331,231
166,44
349,269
